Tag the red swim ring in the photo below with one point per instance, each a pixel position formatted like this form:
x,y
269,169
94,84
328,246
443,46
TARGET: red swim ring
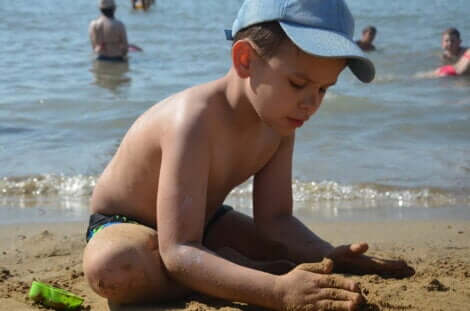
x,y
445,71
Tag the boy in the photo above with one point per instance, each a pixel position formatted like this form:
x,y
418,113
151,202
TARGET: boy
x,y
368,36
108,35
451,46
181,158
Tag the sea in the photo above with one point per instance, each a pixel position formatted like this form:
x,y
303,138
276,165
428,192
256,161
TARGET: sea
x,y
396,149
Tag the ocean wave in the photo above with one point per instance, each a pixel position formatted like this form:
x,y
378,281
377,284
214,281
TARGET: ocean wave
x,y
305,193
333,194
47,184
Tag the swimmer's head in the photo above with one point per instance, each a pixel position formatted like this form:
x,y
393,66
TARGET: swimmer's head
x,y
107,7
451,41
106,4
368,34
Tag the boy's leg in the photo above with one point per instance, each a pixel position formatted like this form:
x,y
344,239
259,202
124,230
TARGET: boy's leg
x,y
122,263
237,231
234,237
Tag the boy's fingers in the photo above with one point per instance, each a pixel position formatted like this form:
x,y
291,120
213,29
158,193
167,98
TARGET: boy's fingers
x,y
323,267
359,248
348,250
337,282
336,305
339,294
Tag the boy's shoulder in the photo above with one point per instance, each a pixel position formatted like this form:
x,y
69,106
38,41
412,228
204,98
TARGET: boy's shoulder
x,y
195,107
199,100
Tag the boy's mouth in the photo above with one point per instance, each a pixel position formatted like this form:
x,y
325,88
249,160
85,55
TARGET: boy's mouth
x,y
296,122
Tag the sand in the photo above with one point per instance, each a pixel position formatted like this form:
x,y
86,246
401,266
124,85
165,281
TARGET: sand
x,y
438,250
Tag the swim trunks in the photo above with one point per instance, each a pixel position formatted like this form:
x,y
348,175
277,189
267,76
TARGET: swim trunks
x,y
447,71
98,221
111,58
219,213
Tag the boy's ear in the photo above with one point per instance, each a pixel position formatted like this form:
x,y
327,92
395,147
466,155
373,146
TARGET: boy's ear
x,y
242,57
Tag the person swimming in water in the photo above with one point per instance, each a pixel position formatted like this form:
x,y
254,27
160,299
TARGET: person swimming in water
x,y
368,36
451,46
142,4
455,58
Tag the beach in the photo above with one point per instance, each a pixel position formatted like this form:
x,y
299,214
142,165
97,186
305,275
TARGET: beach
x,y
386,162
438,250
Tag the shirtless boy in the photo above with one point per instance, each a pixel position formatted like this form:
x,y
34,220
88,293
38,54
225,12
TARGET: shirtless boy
x,y
182,157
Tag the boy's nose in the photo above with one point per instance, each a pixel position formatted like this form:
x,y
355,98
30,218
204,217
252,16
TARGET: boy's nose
x,y
311,102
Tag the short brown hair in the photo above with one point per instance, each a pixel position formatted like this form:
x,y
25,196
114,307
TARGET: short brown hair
x,y
267,36
108,12
452,32
370,28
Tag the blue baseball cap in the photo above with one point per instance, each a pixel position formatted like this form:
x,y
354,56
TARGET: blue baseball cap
x,y
323,28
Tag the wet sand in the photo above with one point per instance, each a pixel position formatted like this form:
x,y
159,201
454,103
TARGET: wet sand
x,y
438,250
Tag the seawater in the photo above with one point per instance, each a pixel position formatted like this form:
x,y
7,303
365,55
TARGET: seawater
x,y
397,148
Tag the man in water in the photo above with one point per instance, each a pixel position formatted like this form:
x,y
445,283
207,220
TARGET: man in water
x,y
368,36
108,35
452,50
455,58
142,4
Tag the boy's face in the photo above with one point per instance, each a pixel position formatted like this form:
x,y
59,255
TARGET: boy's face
x,y
450,43
288,88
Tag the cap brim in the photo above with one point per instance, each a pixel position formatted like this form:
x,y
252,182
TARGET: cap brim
x,y
325,43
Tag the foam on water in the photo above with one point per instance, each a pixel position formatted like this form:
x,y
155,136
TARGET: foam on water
x,y
80,188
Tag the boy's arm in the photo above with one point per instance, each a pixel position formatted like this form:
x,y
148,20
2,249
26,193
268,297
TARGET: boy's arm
x,y
272,192
272,200
181,212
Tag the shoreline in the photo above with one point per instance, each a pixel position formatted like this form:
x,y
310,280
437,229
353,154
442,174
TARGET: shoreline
x,y
318,213
438,250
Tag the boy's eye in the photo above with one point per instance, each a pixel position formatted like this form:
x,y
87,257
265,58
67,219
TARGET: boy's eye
x,y
297,85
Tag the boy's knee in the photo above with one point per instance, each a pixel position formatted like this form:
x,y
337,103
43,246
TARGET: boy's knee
x,y
119,272
100,269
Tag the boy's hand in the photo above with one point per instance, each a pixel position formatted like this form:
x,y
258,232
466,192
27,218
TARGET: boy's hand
x,y
351,259
323,267
303,289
